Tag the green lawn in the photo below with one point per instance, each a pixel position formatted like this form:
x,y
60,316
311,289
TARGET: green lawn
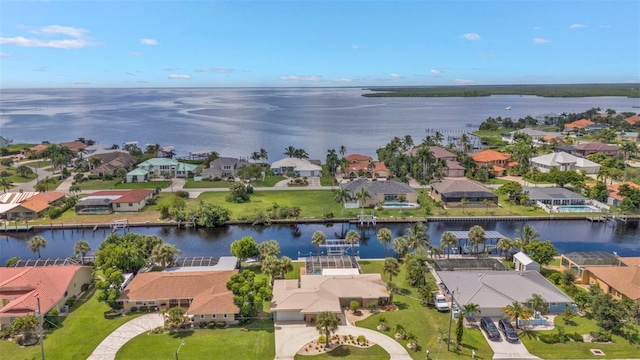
x,y
37,164
15,178
269,181
423,322
144,185
374,352
205,184
80,334
98,184
619,349
232,343
295,273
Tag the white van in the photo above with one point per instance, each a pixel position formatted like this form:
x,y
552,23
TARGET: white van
x,y
441,302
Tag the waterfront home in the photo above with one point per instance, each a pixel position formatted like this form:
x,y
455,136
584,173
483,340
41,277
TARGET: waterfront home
x,y
21,287
304,299
578,125
453,167
578,261
110,161
632,120
363,165
28,205
522,262
583,150
493,290
536,135
452,191
621,282
500,162
564,161
75,146
553,196
158,167
107,202
613,195
548,118
381,191
223,167
296,167
631,136
203,293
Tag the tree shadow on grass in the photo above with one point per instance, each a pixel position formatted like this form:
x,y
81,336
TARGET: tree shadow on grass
x,y
401,305
182,334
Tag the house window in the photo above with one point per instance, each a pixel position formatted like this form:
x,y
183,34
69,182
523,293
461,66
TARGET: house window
x,y
138,303
213,316
152,302
390,197
224,316
130,204
118,205
202,317
173,301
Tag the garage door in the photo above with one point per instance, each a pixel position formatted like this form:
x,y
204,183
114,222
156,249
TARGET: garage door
x,y
289,316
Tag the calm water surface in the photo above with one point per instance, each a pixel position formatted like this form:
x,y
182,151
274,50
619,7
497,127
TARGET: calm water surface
x,y
566,235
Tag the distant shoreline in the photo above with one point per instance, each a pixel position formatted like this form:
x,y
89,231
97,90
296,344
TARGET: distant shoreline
x,y
569,90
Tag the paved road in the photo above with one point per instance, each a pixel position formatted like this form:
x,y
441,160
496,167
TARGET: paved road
x,y
111,344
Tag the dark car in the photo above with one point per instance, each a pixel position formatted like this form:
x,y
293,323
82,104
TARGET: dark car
x,y
509,332
490,328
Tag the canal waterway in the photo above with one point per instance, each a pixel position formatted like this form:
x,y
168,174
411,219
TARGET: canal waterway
x,y
295,240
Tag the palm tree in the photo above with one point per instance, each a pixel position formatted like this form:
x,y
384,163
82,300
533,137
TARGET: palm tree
x,y
341,196
343,150
472,310
448,240
399,331
326,324
391,267
628,149
290,151
174,318
318,238
36,243
411,340
476,237
264,155
417,236
437,137
5,183
463,203
362,195
400,246
487,203
94,162
538,303
352,237
164,254
528,235
255,156
515,311
81,247
25,325
504,245
384,236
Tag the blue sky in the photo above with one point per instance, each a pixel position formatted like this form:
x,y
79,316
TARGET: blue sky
x,y
316,43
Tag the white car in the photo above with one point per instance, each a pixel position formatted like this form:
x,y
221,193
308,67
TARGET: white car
x,y
441,302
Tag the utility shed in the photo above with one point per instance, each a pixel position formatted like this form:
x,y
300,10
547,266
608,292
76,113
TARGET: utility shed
x,y
523,262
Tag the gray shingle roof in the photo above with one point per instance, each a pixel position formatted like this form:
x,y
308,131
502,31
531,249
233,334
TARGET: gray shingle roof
x,y
550,193
378,187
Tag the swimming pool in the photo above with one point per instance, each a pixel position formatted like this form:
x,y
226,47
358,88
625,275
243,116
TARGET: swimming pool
x,y
399,205
577,208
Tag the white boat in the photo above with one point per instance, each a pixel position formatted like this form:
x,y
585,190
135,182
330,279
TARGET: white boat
x,y
508,108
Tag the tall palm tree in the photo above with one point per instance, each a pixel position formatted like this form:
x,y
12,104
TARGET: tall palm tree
x,y
528,235
438,138
516,311
255,156
362,195
505,245
477,236
447,241
343,150
341,196
384,236
352,237
326,324
264,155
463,203
417,236
487,203
5,183
472,310
81,247
391,266
290,151
399,331
538,303
36,243
318,238
400,246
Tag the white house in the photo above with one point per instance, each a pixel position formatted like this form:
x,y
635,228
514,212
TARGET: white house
x,y
299,167
564,161
536,135
522,262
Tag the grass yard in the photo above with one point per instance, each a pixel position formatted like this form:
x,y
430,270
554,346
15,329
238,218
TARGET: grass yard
x,y
424,322
98,184
269,181
206,184
619,349
255,344
374,352
144,185
37,164
295,273
80,334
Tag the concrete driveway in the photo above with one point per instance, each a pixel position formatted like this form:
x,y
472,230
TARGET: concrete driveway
x,y
292,337
111,344
505,350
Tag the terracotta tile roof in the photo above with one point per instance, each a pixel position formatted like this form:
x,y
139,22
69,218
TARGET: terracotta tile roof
x,y
612,190
489,156
633,119
35,205
73,145
208,289
50,196
625,279
380,167
580,124
126,196
358,157
49,283
38,148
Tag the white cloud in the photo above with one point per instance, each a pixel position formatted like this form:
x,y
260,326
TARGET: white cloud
x,y
136,53
471,36
395,76
63,30
56,44
435,71
179,77
342,80
216,70
462,81
538,40
300,78
148,41
4,55
576,26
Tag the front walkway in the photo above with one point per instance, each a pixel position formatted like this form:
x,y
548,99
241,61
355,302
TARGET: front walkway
x,y
111,344
292,337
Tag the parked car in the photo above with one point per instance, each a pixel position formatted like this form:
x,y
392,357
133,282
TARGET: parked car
x,y
507,329
490,328
441,302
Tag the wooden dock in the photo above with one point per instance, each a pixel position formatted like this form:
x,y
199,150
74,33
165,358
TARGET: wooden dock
x,y
18,228
598,218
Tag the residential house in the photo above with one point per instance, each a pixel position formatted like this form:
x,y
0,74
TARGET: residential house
x,y
381,191
564,161
297,167
537,136
106,202
633,120
578,261
110,161
453,167
167,152
578,125
549,118
522,262
613,196
158,167
631,136
621,282
493,290
553,196
499,162
596,127
28,205
203,294
199,155
452,191
593,148
21,287
223,167
304,299
363,165
75,146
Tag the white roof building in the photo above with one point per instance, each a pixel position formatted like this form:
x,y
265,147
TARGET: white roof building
x,y
300,167
564,161
523,262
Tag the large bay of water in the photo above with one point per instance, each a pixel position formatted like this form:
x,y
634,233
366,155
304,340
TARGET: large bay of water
x,y
239,121
566,235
